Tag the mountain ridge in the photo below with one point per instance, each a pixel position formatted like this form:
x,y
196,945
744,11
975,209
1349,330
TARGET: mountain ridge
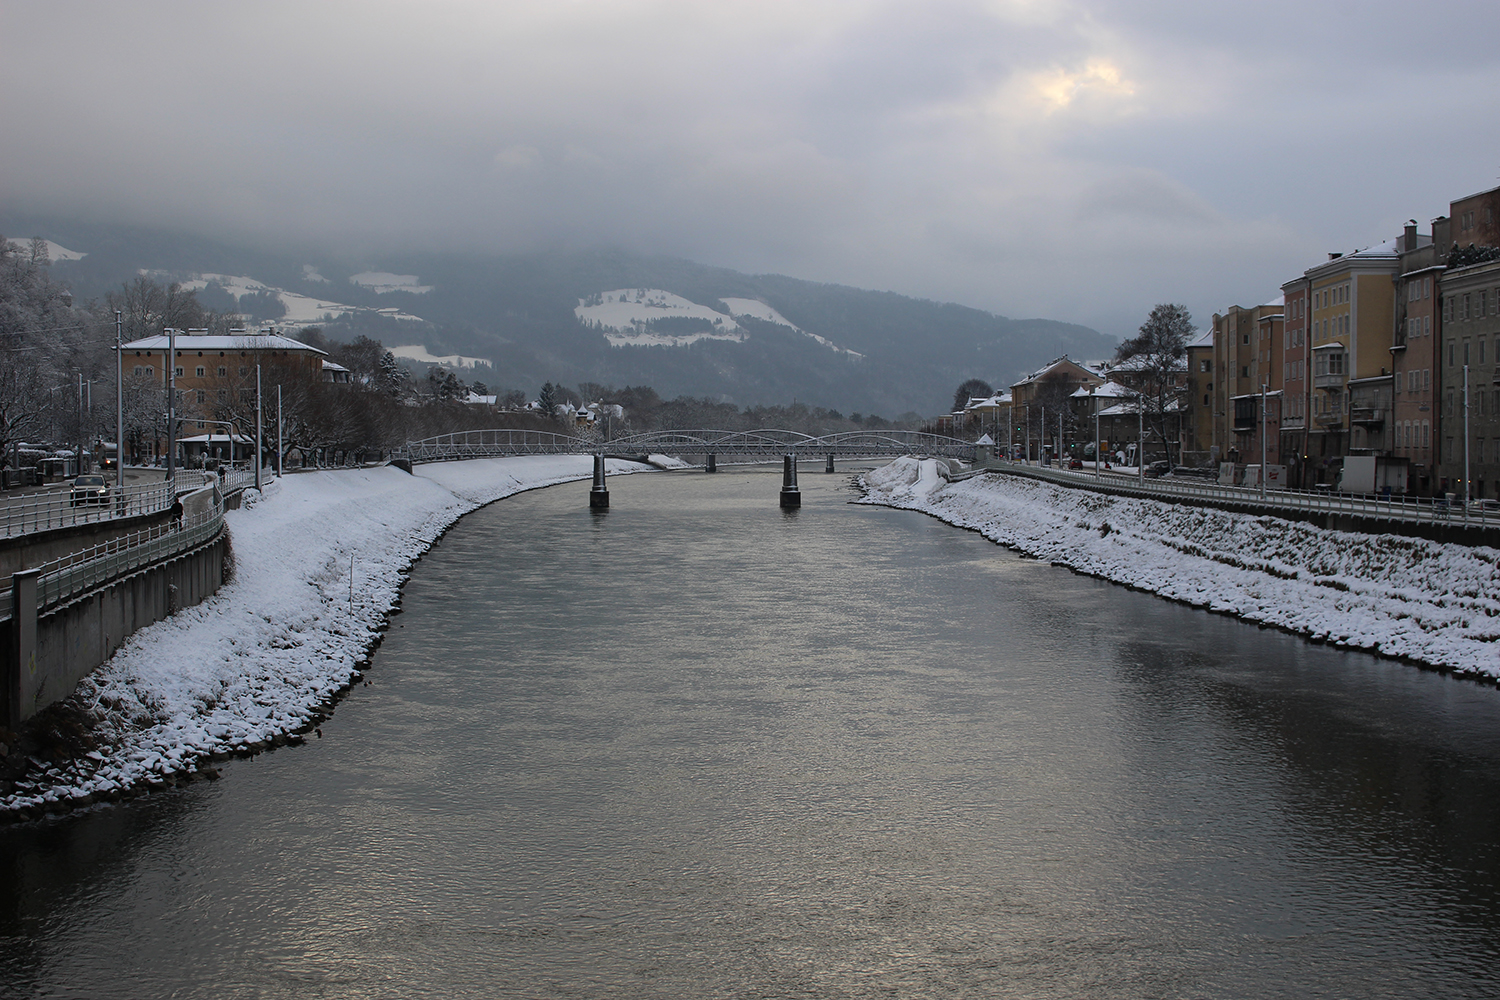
x,y
890,353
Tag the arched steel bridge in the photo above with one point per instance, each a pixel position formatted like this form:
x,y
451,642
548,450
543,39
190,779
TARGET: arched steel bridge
x,y
766,444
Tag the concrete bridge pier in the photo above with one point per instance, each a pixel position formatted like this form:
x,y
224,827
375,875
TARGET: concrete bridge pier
x,y
599,495
830,464
711,465
790,495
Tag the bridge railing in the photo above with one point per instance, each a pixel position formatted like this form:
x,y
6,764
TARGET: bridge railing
x,y
763,442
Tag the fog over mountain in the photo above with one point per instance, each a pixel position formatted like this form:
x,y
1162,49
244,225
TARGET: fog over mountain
x,y
611,317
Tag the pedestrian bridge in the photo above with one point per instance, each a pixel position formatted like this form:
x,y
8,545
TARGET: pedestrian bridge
x,y
767,444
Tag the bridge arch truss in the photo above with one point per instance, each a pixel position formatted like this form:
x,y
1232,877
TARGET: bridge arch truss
x,y
762,444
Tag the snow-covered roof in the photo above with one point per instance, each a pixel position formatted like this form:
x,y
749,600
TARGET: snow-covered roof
x,y
986,439
333,366
1204,339
1108,390
219,342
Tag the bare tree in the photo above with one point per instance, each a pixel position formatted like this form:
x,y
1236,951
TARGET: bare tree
x,y
1154,364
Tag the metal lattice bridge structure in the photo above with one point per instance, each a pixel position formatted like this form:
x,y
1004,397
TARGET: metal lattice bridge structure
x,y
740,446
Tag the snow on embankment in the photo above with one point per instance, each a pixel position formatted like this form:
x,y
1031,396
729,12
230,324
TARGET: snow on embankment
x,y
1407,597
265,656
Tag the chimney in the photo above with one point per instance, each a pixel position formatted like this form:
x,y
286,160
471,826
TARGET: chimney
x,y
1334,256
1409,240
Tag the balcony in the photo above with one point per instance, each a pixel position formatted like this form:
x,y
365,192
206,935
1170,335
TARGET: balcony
x,y
1329,381
1329,420
1366,416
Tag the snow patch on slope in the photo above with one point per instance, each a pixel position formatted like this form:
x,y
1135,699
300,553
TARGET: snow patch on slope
x,y
756,309
624,314
301,310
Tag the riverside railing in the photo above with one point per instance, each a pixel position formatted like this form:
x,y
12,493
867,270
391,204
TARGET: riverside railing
x,y
1412,510
34,512
76,573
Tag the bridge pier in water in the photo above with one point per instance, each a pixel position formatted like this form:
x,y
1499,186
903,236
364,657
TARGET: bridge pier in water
x,y
599,495
830,464
790,495
711,465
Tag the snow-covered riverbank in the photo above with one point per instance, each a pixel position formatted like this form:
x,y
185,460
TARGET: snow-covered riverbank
x,y
319,562
1437,604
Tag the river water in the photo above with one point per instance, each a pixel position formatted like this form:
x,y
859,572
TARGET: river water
x,y
697,746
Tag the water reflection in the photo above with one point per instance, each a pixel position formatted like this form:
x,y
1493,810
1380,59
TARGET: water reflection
x,y
699,747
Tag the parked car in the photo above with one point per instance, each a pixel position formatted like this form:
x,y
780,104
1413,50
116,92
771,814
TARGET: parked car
x,y
1158,468
89,490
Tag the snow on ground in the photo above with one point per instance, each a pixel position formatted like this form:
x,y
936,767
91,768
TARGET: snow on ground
x,y
264,656
1434,603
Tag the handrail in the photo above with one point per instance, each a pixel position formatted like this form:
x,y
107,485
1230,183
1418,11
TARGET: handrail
x,y
1409,510
66,577
764,441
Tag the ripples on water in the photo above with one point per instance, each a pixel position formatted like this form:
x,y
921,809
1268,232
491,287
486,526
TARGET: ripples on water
x,y
697,746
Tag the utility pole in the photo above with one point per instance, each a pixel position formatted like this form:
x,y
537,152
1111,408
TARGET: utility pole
x,y
1027,460
171,404
278,430
1263,441
1466,439
1096,430
258,449
1140,437
119,405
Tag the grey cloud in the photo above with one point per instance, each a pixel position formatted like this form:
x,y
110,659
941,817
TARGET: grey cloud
x,y
875,143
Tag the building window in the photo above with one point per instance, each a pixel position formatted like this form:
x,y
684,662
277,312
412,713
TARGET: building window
x,y
244,371
1205,366
201,395
223,371
200,371
223,395
140,370
1452,353
179,371
1427,378
1466,350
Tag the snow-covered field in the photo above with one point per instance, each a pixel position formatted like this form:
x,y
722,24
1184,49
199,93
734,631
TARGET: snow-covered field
x,y
319,562
1437,604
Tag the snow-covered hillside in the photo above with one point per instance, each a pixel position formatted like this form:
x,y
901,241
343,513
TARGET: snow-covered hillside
x,y
301,310
626,314
627,317
55,251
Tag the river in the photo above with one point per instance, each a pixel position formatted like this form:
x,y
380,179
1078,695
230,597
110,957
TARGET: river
x,y
698,746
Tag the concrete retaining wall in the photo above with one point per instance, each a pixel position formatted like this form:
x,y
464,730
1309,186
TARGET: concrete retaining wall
x,y
45,657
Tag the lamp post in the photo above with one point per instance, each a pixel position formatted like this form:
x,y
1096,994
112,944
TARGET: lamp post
x,y
1093,393
1466,437
171,404
1140,437
258,449
119,404
1263,441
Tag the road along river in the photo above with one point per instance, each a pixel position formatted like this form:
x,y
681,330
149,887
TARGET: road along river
x,y
697,745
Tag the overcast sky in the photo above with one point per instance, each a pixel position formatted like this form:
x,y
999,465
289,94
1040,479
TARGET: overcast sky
x,y
1073,160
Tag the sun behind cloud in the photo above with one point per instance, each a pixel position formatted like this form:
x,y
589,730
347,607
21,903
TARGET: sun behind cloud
x,y
1058,88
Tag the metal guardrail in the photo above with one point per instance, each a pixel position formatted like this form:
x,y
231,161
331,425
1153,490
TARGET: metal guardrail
x,y
76,573
1410,510
35,512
